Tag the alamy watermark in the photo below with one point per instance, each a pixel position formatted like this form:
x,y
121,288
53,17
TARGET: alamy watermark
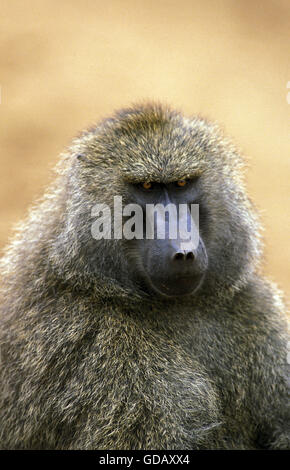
x,y
157,221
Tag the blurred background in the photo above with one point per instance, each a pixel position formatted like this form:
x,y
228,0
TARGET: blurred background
x,y
64,65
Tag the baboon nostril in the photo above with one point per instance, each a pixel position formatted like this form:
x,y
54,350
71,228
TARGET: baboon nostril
x,y
178,256
184,256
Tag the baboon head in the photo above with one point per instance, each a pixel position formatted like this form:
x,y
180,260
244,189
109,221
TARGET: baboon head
x,y
151,155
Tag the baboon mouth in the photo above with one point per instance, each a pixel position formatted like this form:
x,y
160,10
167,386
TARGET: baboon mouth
x,y
177,287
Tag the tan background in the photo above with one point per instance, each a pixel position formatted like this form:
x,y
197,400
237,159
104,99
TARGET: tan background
x,y
65,64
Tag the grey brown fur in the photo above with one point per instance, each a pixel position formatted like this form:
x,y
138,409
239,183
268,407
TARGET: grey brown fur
x,y
89,360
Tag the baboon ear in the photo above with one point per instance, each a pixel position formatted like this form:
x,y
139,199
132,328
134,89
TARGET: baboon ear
x,y
80,156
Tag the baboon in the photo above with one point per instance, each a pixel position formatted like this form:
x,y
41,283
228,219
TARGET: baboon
x,y
116,343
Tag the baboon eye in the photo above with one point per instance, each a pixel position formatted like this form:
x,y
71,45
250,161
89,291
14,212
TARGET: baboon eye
x,y
147,185
181,183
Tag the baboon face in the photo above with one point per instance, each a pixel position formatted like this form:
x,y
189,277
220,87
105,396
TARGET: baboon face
x,y
171,255
152,156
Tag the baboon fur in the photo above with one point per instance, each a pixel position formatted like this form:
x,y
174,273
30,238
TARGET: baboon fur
x,y
90,360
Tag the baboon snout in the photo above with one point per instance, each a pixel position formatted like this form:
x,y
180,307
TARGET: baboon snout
x,y
175,269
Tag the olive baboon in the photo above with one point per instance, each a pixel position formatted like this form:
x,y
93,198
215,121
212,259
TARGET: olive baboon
x,y
141,344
